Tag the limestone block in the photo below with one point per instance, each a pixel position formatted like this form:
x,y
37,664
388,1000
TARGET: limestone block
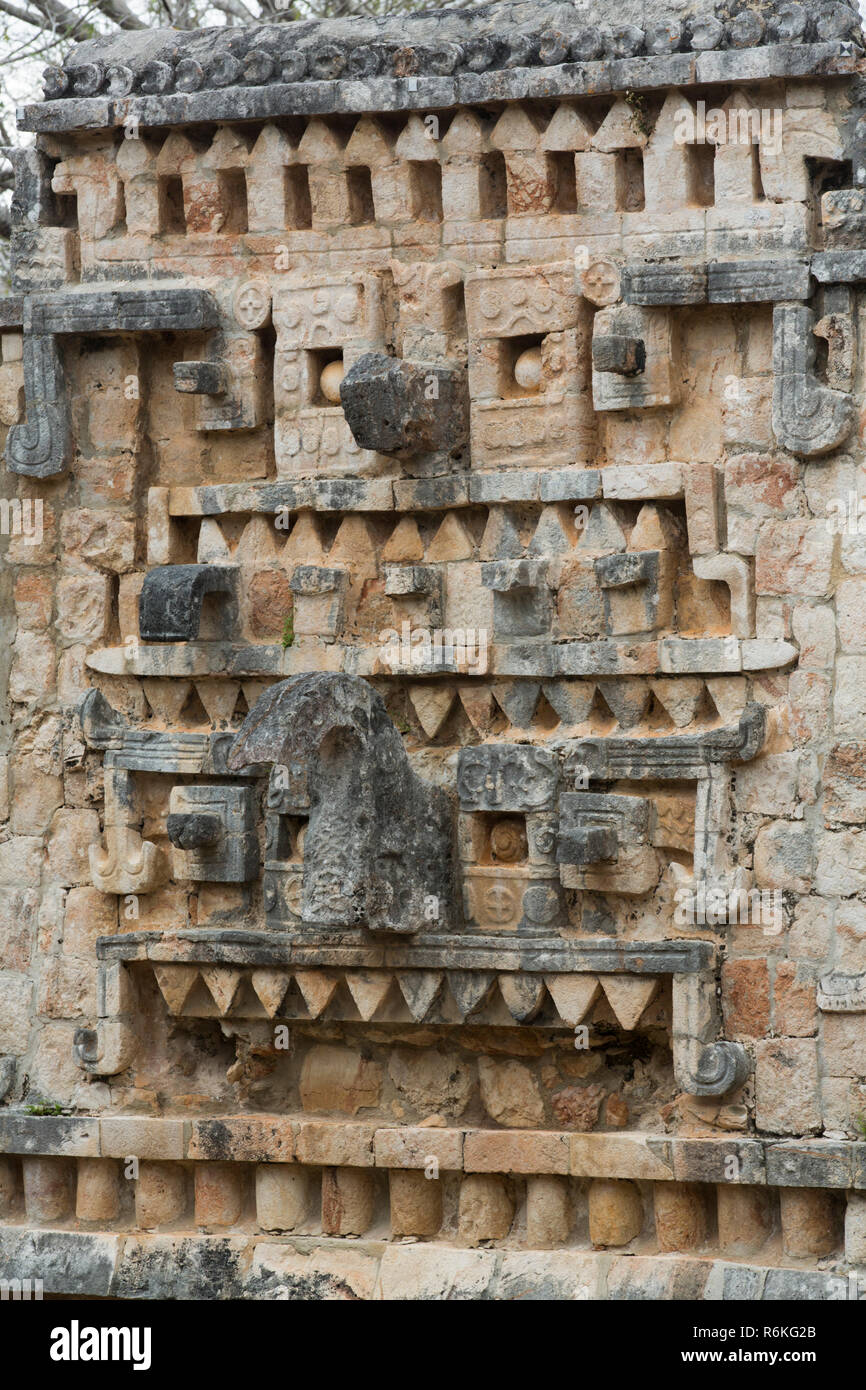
x,y
786,1086
681,1215
811,1222
282,1196
416,1203
745,1216
10,1186
348,1196
48,1189
615,1212
160,1194
548,1212
97,1196
218,1194
658,383
486,1209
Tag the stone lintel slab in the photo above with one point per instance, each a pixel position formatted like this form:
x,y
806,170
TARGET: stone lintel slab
x,y
69,1136
321,494
320,1268
516,1151
142,1136
305,1139
606,956
413,1147
243,1138
424,93
67,1262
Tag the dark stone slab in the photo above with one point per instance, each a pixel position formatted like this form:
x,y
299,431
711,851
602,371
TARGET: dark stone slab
x,y
394,406
171,598
70,1135
67,1262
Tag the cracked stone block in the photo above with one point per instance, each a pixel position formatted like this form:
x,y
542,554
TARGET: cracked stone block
x,y
405,408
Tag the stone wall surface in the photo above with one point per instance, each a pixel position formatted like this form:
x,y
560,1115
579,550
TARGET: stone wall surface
x,y
432,860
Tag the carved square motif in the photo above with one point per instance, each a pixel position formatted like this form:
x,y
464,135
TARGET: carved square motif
x,y
526,299
329,312
656,381
213,833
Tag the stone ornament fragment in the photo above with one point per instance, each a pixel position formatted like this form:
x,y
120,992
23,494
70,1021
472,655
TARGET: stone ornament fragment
x,y
656,383
599,282
252,304
213,832
377,845
124,862
40,446
404,408
809,418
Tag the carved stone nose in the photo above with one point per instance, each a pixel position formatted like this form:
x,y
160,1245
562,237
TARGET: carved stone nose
x,y
616,352
588,844
193,830
397,407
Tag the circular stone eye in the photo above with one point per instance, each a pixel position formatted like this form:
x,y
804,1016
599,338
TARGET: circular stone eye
x,y
527,369
329,381
508,841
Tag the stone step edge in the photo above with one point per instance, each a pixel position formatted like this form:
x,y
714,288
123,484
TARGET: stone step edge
x,y
829,1163
268,1267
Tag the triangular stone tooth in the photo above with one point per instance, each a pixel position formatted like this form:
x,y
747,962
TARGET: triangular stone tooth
x,y
419,988
213,548
628,996
253,691
501,539
518,699
223,982
470,988
480,707
317,989
572,700
728,694
167,698
175,983
405,546
573,995
568,130
523,995
656,529
432,704
304,545
679,696
554,533
219,698
627,698
368,989
270,986
619,130
260,542
451,542
605,531
356,544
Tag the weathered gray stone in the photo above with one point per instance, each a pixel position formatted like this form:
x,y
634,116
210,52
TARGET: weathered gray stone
x,y
378,841
405,408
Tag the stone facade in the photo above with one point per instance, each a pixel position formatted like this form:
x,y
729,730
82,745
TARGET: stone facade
x,y
433,859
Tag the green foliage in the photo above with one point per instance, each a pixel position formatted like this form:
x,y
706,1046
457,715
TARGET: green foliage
x,y
44,1108
639,116
288,632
